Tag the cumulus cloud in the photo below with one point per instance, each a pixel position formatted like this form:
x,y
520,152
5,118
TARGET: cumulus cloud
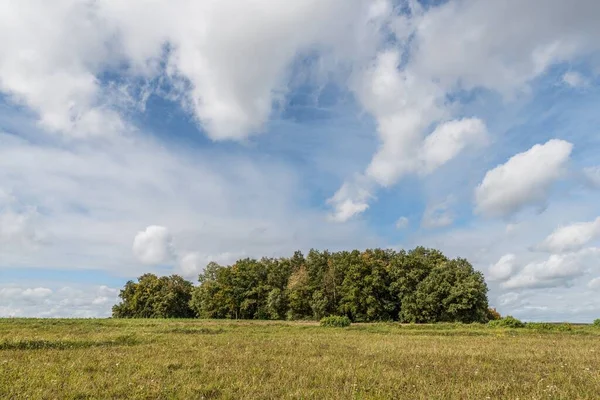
x,y
230,65
52,68
350,199
557,270
153,245
484,244
449,139
12,293
404,107
524,180
228,62
42,302
193,263
59,70
571,237
503,269
110,192
470,43
459,45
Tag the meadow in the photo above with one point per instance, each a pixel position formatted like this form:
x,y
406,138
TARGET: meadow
x,y
213,359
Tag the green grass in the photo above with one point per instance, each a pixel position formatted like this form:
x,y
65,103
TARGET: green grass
x,y
199,359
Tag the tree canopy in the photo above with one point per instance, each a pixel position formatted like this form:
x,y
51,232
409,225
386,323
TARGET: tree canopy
x,y
154,297
420,285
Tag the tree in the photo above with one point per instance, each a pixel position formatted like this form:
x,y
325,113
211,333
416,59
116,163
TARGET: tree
x,y
298,295
213,298
407,270
277,304
421,285
154,297
453,291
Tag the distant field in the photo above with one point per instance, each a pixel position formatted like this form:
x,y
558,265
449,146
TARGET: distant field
x,y
200,359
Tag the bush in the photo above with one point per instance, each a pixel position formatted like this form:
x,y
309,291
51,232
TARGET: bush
x,y
564,327
540,326
597,322
507,322
336,321
493,315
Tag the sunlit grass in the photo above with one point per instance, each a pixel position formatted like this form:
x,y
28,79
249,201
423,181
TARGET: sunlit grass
x,y
169,359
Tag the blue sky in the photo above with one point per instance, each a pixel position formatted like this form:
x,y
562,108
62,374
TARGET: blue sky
x,y
136,139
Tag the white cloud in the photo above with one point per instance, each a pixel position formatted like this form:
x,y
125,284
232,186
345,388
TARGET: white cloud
x,y
503,269
571,237
574,79
524,180
153,245
471,44
18,228
82,302
193,263
229,62
16,293
485,242
38,292
449,139
459,45
592,175
557,270
51,67
96,198
594,284
349,200
512,227
402,223
438,215
508,298
404,106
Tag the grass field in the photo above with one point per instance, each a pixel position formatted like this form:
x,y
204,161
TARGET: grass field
x,y
199,359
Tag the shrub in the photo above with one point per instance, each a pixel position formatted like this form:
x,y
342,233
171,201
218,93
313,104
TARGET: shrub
x,y
507,322
597,322
493,315
540,326
564,327
336,321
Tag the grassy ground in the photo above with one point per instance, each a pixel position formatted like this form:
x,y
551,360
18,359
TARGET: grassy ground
x,y
175,359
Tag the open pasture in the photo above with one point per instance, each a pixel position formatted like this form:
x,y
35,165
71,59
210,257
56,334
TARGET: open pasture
x,y
209,359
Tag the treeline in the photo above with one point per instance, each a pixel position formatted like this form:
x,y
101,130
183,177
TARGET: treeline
x,y
420,285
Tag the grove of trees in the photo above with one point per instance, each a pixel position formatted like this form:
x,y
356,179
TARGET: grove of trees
x,y
421,285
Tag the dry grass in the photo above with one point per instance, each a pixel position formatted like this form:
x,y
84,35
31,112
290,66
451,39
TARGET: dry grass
x,y
176,359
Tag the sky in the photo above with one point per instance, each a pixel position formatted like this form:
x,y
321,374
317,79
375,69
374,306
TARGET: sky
x,y
157,136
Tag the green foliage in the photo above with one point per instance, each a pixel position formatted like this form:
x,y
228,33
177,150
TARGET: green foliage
x,y
336,321
154,297
276,304
545,326
421,285
540,326
564,327
452,291
493,315
597,322
507,322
